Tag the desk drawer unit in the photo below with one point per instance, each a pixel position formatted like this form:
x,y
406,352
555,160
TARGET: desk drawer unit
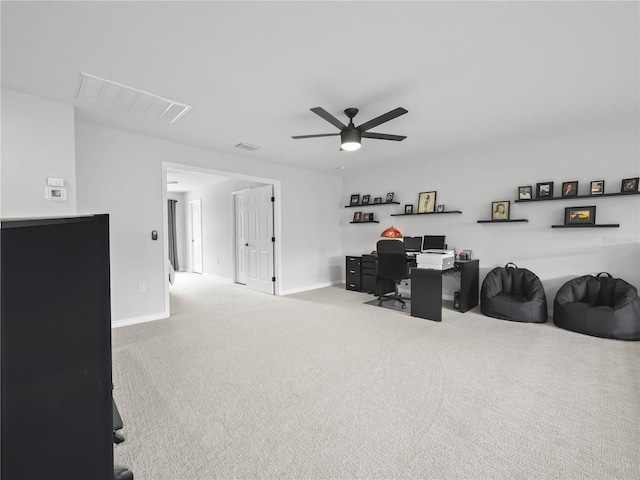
x,y
354,273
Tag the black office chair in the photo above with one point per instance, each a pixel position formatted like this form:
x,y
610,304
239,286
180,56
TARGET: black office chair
x,y
392,264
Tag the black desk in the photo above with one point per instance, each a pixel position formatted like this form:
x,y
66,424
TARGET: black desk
x,y
426,289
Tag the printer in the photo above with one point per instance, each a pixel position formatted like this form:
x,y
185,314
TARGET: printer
x,y
436,259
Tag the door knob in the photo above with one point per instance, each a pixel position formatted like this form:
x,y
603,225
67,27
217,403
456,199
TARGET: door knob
x,y
246,244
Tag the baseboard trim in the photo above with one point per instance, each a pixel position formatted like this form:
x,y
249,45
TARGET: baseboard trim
x,y
135,320
311,287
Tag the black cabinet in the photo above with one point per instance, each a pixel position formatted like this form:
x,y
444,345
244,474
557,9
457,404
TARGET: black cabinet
x,y
371,283
354,273
56,408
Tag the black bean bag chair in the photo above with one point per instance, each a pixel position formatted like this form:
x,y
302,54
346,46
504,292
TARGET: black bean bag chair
x,y
601,306
512,293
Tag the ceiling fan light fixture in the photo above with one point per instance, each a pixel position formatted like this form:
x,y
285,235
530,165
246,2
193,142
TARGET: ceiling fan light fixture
x,y
350,139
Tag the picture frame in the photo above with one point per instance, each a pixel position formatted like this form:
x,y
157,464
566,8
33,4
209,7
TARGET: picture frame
x,y
408,209
570,189
524,192
629,185
389,197
544,190
440,209
500,210
580,215
365,199
597,187
368,217
377,200
355,199
427,202
357,217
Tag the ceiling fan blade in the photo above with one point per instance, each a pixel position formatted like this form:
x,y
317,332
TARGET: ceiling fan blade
x,y
382,118
383,136
328,117
314,136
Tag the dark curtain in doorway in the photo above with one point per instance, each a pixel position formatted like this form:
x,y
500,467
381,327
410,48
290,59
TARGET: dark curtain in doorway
x,y
173,240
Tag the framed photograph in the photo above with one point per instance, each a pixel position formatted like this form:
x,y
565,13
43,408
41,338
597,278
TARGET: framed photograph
x,y
368,217
500,210
355,199
569,189
365,199
440,209
544,190
629,185
580,215
427,202
408,209
524,193
357,217
377,200
389,197
597,187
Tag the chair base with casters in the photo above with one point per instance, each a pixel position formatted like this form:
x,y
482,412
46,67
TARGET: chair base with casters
x,y
600,306
396,297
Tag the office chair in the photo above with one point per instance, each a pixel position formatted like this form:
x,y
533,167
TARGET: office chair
x,y
392,264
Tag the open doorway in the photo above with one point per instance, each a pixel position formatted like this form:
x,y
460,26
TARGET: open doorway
x,y
218,237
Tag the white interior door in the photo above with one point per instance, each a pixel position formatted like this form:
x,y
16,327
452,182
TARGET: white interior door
x,y
241,245
195,212
258,245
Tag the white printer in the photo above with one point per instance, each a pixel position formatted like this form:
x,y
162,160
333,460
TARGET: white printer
x,y
436,259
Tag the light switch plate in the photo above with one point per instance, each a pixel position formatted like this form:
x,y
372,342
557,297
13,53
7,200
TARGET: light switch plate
x,y
55,182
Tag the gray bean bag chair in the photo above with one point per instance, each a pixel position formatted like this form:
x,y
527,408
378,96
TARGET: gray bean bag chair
x,y
601,306
512,293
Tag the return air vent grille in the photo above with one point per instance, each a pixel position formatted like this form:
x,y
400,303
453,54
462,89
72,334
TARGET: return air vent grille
x,y
110,94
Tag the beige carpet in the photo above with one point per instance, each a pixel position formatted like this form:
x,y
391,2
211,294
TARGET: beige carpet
x,y
318,385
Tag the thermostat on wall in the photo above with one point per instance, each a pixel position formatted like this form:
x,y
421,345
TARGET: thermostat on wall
x,y
54,193
55,182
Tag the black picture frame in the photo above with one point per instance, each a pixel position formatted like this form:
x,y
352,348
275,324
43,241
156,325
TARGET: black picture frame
x,y
570,189
368,217
440,209
365,199
389,197
357,217
427,202
629,185
355,199
544,190
377,200
525,192
580,215
597,187
500,210
408,209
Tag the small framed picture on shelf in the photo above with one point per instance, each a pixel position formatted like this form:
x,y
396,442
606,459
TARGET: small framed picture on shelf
x,y
389,197
365,199
440,209
629,185
569,189
408,209
524,193
544,190
580,215
597,187
377,200
355,199
500,210
357,217
368,217
427,202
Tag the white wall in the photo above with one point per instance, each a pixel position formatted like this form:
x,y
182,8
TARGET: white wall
x,y
121,174
469,181
37,142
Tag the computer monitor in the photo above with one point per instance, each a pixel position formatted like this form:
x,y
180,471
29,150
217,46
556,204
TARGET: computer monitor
x,y
412,244
433,242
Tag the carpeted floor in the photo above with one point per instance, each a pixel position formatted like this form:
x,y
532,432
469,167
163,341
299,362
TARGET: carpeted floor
x,y
318,385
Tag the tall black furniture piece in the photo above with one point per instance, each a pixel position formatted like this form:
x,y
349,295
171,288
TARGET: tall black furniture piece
x,y
56,407
371,282
426,289
392,265
515,294
353,268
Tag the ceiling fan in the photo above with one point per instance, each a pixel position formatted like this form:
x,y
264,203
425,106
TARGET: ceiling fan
x,y
351,135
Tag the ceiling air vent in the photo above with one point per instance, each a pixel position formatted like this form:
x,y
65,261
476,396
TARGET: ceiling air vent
x,y
247,146
110,94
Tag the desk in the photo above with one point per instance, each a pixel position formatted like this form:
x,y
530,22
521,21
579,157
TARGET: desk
x,y
426,289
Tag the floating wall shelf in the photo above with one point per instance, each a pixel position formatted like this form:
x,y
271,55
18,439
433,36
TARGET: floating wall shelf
x,y
602,225
370,221
371,204
426,213
504,221
579,197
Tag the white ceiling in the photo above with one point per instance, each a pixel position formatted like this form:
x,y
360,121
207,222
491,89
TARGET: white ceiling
x,y
470,73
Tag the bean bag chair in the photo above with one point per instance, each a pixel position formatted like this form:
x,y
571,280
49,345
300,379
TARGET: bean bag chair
x,y
512,293
601,306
